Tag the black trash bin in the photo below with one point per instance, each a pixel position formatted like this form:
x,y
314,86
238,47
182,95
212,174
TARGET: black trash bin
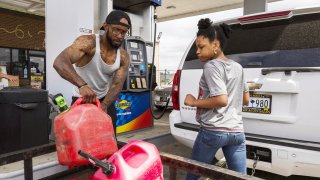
x,y
23,118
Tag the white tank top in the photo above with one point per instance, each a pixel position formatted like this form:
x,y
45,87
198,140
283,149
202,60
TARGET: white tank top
x,y
97,73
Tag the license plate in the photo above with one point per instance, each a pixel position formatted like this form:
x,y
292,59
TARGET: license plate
x,y
157,98
159,103
258,103
163,99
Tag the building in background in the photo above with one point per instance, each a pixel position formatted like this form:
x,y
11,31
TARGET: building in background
x,y
22,47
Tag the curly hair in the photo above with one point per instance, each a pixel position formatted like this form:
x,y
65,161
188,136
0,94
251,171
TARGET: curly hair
x,y
221,32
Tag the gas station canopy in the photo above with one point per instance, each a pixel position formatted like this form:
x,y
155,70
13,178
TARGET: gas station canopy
x,y
175,9
169,10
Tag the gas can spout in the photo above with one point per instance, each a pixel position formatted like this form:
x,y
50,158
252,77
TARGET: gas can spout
x,y
106,167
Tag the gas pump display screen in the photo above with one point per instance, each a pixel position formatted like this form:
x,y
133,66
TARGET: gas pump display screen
x,y
135,56
134,45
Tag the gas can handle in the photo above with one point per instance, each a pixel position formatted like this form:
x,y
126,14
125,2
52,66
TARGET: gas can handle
x,y
79,102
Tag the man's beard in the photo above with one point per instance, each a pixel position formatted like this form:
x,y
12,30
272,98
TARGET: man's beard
x,y
114,46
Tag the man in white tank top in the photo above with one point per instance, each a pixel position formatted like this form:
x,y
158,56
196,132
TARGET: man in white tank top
x,y
97,64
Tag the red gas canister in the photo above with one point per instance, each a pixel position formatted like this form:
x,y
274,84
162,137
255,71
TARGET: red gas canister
x,y
84,127
136,160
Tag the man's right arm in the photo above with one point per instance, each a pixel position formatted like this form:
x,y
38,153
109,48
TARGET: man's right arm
x,y
73,54
82,46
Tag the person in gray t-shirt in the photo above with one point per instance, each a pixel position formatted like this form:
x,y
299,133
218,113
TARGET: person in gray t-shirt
x,y
222,77
222,92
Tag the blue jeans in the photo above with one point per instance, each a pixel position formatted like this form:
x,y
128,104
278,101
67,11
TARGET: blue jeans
x,y
232,144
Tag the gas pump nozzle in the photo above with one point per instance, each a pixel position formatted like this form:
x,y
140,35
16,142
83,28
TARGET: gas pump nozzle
x,y
106,167
60,102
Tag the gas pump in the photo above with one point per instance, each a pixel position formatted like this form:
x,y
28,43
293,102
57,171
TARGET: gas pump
x,y
133,104
137,78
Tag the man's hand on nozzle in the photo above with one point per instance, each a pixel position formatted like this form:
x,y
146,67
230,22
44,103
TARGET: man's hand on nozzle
x,y
88,95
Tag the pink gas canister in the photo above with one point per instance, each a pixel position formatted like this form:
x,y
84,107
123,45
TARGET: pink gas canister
x,y
84,127
137,160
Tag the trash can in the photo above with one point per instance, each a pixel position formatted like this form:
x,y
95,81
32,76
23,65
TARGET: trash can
x,y
23,118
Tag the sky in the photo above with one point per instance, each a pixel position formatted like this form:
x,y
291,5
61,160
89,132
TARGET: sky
x,y
178,34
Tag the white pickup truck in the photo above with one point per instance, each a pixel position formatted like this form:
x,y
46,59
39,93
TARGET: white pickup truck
x,y
280,54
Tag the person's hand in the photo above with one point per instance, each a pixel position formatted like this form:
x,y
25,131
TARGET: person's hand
x,y
88,95
189,100
12,78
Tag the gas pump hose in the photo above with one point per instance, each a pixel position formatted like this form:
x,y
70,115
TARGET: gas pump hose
x,y
152,64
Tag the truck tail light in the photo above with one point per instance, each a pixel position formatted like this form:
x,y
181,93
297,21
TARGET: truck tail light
x,y
175,90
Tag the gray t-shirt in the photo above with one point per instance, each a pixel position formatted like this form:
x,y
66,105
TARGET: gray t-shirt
x,y
222,77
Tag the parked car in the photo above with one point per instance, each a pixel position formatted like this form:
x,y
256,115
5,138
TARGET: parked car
x,y
280,54
161,96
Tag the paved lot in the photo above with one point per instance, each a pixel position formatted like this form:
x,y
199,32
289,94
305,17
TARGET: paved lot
x,y
161,127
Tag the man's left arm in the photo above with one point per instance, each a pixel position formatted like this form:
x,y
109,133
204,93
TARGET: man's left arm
x,y
117,81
